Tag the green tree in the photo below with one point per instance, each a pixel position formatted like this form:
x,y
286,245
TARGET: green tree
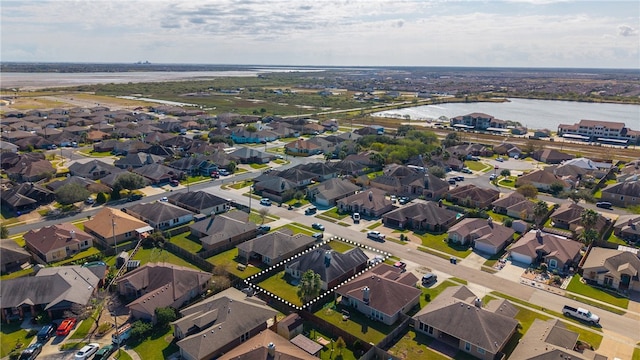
x,y
528,190
437,171
588,236
130,181
263,212
403,130
298,195
556,187
377,158
340,345
232,166
140,329
505,173
71,193
251,128
540,209
588,219
165,315
452,139
101,198
310,286
4,231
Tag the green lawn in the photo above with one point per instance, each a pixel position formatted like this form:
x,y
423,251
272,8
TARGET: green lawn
x,y
298,228
241,184
123,355
227,260
258,166
187,241
374,225
616,240
85,326
476,165
279,285
159,345
147,255
17,274
415,345
576,286
340,246
90,152
81,255
357,324
12,335
333,213
326,353
636,354
194,179
433,292
437,242
297,203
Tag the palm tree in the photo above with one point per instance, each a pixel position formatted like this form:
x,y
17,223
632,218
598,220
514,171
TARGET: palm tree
x,y
540,210
589,218
377,158
310,286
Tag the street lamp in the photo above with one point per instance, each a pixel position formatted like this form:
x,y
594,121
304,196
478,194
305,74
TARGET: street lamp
x,y
250,196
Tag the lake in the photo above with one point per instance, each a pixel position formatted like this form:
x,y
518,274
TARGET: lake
x,y
535,114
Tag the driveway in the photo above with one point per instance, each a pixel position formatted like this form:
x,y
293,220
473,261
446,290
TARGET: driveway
x,y
511,271
474,261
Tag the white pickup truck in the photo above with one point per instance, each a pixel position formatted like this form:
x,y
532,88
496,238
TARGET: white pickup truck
x,y
582,314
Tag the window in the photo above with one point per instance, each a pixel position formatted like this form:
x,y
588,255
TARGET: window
x,y
553,263
481,350
430,329
467,346
244,337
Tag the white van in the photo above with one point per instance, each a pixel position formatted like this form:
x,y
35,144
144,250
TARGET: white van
x,y
356,217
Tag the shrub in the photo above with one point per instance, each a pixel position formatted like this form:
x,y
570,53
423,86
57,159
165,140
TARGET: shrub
x,y
508,222
140,329
101,198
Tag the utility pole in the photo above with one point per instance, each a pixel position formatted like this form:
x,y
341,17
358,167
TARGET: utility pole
x,y
115,242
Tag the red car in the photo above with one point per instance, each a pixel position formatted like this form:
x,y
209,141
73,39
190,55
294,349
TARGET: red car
x,y
67,325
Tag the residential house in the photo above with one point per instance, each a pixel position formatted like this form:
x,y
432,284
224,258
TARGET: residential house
x,y
551,339
274,187
271,248
158,173
589,165
53,289
105,145
542,133
622,194
215,326
200,202
158,285
224,231
240,135
194,165
350,167
247,155
538,247
302,147
77,180
483,234
543,180
25,197
160,215
333,267
508,149
473,196
6,147
296,175
469,150
382,293
551,156
31,171
421,216
93,169
328,192
569,216
515,205
456,317
627,227
57,242
370,202
612,268
12,256
113,226
269,345
323,171
136,160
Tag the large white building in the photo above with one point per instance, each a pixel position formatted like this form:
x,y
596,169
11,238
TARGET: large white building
x,y
600,131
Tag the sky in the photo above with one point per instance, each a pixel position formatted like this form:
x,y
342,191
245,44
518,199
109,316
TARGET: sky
x,y
516,33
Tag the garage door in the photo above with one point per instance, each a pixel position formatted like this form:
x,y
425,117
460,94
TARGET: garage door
x,y
525,259
485,248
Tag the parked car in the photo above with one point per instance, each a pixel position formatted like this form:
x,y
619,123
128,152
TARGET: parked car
x,y
582,314
215,174
310,210
356,217
459,178
31,352
89,201
66,326
317,236
394,199
265,202
452,181
403,200
104,352
492,177
429,278
223,172
174,182
604,204
135,197
263,229
45,333
499,159
466,171
164,199
400,265
375,235
86,351
317,226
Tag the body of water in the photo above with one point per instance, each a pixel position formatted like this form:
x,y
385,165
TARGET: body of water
x,y
534,114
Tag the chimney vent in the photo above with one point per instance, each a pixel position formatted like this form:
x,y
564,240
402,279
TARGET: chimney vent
x,y
271,348
366,294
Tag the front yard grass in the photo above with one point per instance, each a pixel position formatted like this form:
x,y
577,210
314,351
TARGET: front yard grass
x,y
228,261
576,286
241,184
477,165
415,345
298,228
159,345
438,242
279,285
374,225
258,166
194,179
340,246
90,152
428,294
333,213
12,335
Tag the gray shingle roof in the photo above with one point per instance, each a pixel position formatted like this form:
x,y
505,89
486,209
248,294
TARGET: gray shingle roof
x,y
276,244
158,212
339,265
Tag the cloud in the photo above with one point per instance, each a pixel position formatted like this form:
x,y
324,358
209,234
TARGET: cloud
x,y
626,30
